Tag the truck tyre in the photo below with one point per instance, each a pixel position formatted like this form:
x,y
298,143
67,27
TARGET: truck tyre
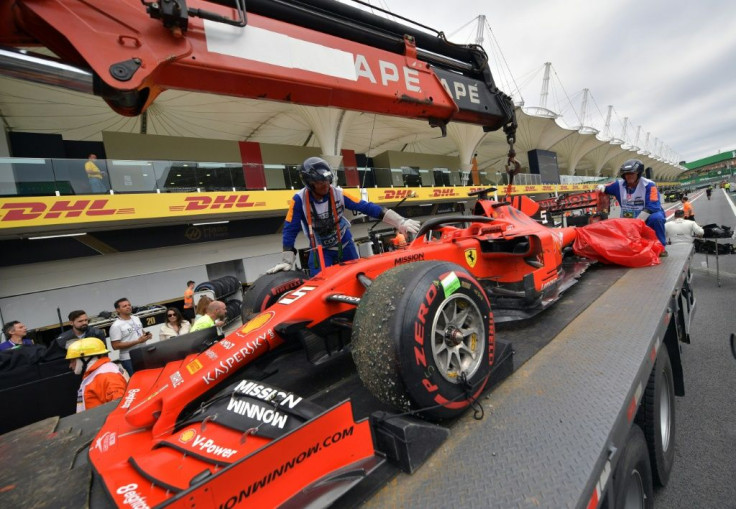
x,y
657,417
423,339
268,289
632,478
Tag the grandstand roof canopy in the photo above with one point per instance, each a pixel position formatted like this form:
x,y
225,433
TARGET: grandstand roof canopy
x,y
32,107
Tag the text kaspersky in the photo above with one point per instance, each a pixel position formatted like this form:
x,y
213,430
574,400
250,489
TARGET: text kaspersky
x,y
224,366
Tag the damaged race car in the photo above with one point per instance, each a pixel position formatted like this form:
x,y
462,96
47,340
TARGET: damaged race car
x,y
417,323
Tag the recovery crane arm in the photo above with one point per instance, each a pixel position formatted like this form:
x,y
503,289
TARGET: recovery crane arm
x,y
316,52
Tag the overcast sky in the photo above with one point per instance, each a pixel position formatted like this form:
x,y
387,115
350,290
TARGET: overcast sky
x,y
667,65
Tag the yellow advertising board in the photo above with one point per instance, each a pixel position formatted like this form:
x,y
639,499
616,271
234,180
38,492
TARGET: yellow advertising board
x,y
45,211
392,195
23,212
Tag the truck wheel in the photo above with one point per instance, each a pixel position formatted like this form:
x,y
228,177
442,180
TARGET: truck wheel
x,y
267,289
657,417
632,478
423,338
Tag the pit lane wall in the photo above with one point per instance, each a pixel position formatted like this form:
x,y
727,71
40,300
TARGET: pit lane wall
x,y
33,215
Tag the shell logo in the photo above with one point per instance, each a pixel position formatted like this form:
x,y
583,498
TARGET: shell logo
x,y
257,322
187,435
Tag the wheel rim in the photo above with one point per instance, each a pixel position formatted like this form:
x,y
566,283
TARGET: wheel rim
x,y
665,418
458,335
635,496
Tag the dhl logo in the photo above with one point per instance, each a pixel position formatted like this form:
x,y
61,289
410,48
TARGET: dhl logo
x,y
530,188
26,211
441,193
393,194
221,201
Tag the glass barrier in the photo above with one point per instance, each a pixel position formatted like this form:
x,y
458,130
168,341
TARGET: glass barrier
x,y
48,177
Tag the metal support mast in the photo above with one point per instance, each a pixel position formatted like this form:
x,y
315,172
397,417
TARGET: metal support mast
x,y
545,86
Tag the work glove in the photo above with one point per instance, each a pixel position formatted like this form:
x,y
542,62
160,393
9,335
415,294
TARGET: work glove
x,y
401,223
643,215
600,188
287,263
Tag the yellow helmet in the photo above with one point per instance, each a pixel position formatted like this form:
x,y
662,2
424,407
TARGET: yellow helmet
x,y
86,347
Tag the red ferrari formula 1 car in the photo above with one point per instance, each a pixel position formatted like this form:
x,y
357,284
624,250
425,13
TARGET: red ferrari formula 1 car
x,y
418,324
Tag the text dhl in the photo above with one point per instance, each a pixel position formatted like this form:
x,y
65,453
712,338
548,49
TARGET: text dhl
x,y
223,201
392,194
24,211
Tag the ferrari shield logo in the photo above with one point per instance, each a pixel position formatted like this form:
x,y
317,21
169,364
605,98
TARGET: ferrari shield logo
x,y
471,256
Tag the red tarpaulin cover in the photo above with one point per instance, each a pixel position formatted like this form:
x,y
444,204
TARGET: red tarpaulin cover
x,y
627,242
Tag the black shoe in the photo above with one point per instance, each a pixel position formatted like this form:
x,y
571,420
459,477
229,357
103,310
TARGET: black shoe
x,y
663,254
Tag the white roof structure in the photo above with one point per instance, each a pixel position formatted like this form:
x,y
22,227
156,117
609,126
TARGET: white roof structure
x,y
32,107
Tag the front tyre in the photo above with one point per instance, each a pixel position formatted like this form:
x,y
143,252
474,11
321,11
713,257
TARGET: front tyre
x,y
423,338
267,289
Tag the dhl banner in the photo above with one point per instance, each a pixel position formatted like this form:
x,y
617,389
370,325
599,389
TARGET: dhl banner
x,y
23,212
388,195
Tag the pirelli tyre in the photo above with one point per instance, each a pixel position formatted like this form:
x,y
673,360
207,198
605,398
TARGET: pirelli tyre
x,y
656,416
632,477
267,289
423,338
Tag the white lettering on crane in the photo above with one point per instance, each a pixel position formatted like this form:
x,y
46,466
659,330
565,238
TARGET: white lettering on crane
x,y
460,90
389,72
281,50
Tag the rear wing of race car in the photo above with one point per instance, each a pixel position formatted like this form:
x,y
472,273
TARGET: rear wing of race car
x,y
575,201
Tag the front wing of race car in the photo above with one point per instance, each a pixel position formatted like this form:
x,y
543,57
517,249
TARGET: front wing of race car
x,y
206,464
314,464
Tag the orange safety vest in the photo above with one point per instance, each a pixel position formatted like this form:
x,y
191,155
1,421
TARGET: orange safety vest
x,y
188,298
103,382
688,209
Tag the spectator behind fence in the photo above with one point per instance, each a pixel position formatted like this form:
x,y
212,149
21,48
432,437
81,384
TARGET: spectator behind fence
x,y
126,332
189,301
681,230
175,325
201,308
215,316
15,334
95,175
80,329
103,380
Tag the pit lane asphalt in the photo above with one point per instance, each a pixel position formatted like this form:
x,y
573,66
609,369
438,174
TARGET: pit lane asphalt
x,y
704,471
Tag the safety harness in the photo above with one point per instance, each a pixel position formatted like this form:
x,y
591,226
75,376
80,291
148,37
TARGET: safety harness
x,y
333,215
